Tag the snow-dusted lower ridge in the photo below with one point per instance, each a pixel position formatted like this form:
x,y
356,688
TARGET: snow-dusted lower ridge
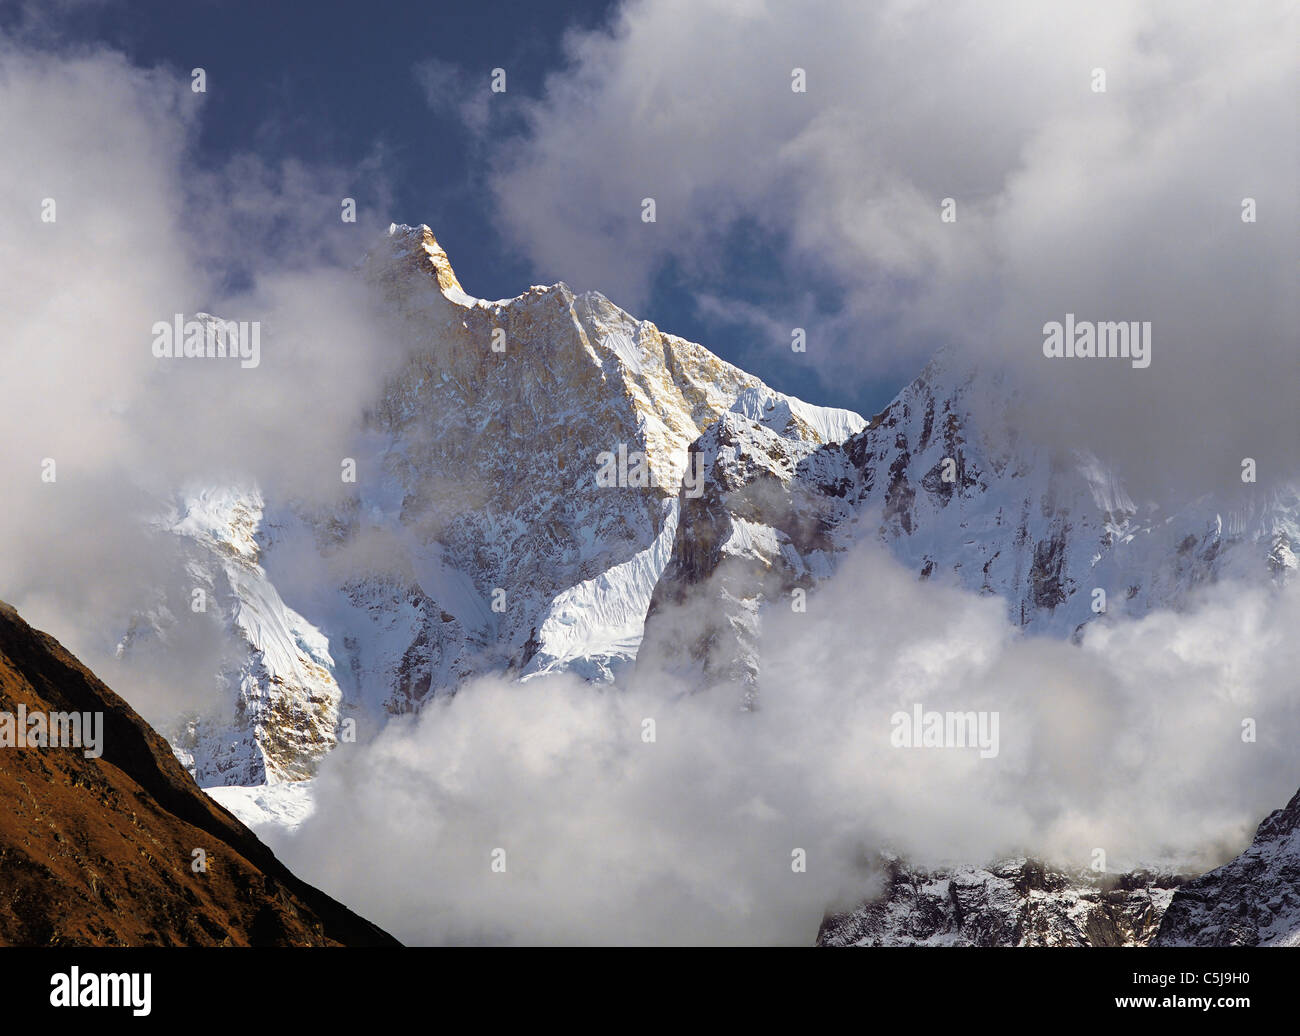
x,y
1016,902
1252,901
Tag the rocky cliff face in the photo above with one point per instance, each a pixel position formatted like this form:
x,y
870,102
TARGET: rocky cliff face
x,y
1252,901
101,850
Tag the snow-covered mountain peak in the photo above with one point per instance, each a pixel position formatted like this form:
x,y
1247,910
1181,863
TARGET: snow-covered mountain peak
x,y
516,502
418,243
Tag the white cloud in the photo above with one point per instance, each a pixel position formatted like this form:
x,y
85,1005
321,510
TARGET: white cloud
x,y
1130,743
140,233
449,92
1123,205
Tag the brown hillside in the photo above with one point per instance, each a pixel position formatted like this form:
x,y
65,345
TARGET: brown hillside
x,y
97,852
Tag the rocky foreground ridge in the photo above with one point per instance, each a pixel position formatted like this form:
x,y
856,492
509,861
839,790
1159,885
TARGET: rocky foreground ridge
x,y
100,851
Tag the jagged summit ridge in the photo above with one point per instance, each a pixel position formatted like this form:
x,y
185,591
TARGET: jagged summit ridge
x,y
945,481
411,241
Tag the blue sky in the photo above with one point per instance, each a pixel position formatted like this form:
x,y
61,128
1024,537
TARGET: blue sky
x,y
332,85
818,209
337,84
